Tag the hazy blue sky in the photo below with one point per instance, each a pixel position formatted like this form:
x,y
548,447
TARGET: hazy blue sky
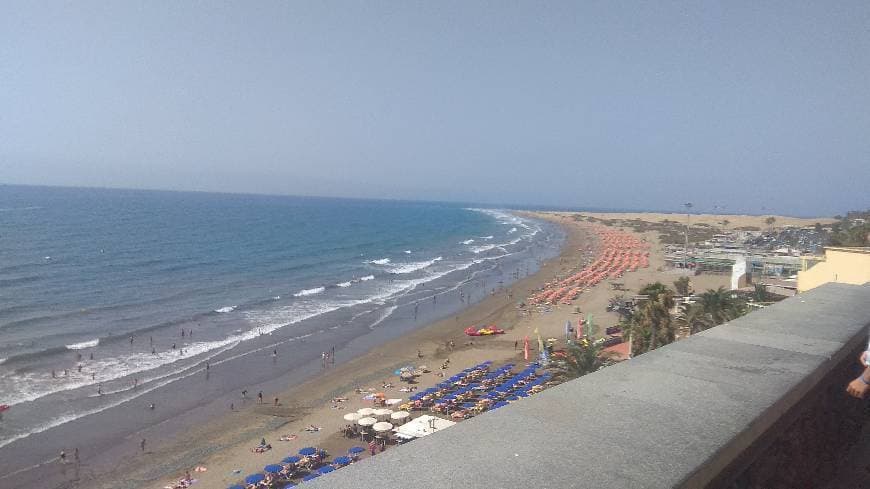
x,y
744,104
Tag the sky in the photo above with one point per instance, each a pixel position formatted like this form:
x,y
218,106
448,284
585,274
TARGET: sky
x,y
736,106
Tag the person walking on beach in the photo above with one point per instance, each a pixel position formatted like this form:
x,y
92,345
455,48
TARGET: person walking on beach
x,y
142,445
100,389
244,393
260,397
62,457
131,339
323,359
276,402
76,455
416,306
373,447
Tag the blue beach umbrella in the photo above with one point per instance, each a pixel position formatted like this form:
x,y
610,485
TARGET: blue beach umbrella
x,y
291,460
254,479
356,450
342,460
310,477
469,405
522,393
326,469
307,451
499,404
512,398
273,468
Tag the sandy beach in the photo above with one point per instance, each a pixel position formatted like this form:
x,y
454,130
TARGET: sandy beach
x,y
223,446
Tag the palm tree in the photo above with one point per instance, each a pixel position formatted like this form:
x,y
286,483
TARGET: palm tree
x,y
682,286
580,359
720,306
693,319
651,324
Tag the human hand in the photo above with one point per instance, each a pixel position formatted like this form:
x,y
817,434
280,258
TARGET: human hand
x,y
858,388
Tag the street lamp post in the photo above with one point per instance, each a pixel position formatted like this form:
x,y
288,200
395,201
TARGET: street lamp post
x,y
688,206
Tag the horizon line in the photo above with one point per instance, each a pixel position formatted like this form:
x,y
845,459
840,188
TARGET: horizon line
x,y
503,205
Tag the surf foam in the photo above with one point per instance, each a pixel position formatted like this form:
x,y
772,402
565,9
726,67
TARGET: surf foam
x,y
304,292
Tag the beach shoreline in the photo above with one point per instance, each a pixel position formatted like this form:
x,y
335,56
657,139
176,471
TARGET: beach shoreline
x,y
229,443
223,444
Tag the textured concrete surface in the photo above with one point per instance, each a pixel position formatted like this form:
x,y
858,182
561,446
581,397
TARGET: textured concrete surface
x,y
674,417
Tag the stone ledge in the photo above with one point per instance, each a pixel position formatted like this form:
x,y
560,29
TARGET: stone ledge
x,y
675,417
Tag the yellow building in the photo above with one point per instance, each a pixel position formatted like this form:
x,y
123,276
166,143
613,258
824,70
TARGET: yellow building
x,y
841,265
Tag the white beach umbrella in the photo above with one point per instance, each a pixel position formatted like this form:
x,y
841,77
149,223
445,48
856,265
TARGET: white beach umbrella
x,y
383,413
366,411
382,426
367,421
352,417
400,416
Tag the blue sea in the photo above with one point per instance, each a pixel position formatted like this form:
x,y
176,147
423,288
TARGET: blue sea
x,y
120,274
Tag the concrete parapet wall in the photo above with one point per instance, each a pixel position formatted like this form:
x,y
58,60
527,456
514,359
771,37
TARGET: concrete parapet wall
x,y
701,412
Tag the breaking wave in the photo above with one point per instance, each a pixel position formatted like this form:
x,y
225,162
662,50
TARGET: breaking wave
x,y
304,292
84,344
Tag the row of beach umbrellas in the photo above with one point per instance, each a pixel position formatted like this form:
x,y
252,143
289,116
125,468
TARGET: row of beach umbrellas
x,y
255,479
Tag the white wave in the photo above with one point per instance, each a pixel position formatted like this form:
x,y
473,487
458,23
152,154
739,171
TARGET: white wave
x,y
467,242
481,249
131,394
408,252
83,344
344,284
381,261
486,237
226,309
400,268
387,313
367,278
512,230
304,292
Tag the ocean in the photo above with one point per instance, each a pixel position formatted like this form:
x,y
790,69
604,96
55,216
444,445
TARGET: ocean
x,y
97,286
